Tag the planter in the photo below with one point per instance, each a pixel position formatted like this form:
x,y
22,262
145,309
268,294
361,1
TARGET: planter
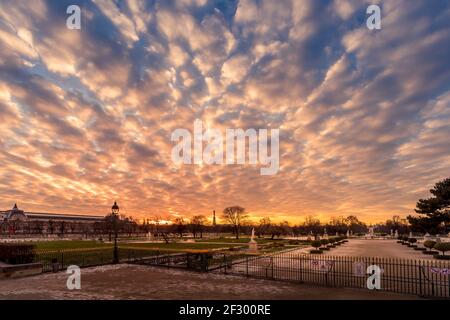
x,y
441,257
315,251
430,252
420,249
325,248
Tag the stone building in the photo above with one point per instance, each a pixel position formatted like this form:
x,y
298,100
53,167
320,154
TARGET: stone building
x,y
16,221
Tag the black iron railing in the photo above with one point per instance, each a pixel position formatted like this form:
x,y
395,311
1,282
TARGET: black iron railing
x,y
420,277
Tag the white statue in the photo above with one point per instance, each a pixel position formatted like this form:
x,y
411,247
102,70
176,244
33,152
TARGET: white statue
x,y
253,245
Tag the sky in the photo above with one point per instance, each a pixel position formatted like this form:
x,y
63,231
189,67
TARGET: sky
x,y
86,116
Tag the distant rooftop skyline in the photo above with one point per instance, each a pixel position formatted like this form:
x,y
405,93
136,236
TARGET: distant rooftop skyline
x,y
86,115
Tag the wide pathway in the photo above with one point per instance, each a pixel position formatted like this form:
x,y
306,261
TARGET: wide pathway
x,y
142,282
377,248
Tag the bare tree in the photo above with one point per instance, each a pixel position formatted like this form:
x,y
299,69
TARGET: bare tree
x,y
179,226
236,216
264,226
159,230
51,226
62,228
312,225
197,225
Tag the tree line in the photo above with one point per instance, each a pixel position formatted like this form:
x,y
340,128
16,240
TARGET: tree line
x,y
237,221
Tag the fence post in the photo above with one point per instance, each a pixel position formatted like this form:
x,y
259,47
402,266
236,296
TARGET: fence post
x,y
225,262
246,263
271,262
420,278
448,276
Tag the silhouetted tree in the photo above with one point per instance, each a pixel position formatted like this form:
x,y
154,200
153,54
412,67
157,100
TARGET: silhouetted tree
x,y
179,226
264,226
435,211
197,225
235,216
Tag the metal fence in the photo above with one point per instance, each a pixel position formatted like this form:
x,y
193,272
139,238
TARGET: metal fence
x,y
56,260
428,278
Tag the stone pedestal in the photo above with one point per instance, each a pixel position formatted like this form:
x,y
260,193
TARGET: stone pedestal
x,y
253,246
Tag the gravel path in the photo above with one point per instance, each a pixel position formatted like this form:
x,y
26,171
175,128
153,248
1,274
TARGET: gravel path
x,y
376,248
142,282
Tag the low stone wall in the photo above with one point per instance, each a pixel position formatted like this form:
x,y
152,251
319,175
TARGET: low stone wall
x,y
8,271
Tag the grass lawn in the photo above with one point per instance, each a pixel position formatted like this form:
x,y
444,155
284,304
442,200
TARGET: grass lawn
x,y
78,244
93,253
178,246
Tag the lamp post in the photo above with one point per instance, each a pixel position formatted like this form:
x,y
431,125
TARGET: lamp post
x,y
115,216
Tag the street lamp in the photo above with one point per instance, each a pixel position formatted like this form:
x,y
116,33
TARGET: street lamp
x,y
115,216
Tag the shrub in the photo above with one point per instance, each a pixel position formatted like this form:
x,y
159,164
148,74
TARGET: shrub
x,y
316,251
429,244
442,247
412,240
324,243
17,253
441,257
316,243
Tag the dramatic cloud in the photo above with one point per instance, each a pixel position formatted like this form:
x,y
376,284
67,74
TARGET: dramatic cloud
x,y
86,115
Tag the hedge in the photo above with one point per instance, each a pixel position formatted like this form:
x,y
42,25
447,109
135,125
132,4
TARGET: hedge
x,y
17,253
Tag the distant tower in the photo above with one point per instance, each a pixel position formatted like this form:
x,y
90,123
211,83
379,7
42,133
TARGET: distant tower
x,y
214,218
